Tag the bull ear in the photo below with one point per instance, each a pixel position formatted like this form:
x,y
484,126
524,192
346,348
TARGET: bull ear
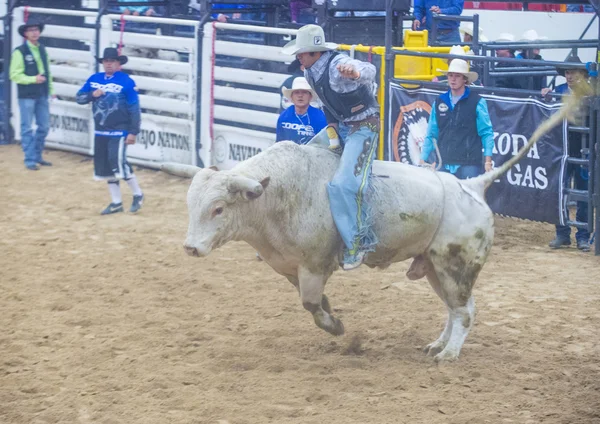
x,y
265,182
214,168
249,189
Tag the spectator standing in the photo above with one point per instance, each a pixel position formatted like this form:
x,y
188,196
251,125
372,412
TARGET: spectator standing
x,y
532,83
577,173
447,30
461,124
30,70
506,81
345,86
301,122
117,119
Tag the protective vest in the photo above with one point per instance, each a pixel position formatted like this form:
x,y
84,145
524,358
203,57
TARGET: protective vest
x,y
341,106
458,140
33,91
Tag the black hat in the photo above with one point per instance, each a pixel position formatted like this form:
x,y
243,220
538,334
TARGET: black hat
x,y
112,53
30,24
294,67
571,59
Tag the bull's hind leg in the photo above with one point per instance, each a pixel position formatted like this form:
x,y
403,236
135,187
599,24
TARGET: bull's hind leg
x,y
437,346
453,278
314,301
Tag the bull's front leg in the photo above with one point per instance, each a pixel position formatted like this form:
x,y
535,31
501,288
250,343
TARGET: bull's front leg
x,y
311,292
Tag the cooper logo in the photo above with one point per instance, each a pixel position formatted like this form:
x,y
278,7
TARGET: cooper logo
x,y
318,40
443,107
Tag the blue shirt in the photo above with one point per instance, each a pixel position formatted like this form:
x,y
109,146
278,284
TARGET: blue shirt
x,y
117,111
484,130
300,128
447,7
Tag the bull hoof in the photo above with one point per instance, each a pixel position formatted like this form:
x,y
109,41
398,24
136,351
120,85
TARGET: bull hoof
x,y
434,348
445,356
337,329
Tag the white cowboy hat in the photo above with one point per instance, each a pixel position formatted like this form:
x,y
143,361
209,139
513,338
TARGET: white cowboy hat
x,y
467,28
299,83
459,66
505,37
532,35
458,51
310,38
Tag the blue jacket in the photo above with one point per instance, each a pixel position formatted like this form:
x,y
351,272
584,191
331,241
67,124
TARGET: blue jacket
x,y
447,7
117,112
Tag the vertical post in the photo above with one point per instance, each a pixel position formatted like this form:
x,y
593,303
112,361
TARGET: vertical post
x,y
389,68
203,73
475,33
596,186
5,74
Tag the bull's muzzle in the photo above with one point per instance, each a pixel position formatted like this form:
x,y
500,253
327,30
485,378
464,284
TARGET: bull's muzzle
x,y
192,251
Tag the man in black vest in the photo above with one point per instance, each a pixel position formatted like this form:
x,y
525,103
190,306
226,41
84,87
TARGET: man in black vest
x,y
30,70
346,89
460,122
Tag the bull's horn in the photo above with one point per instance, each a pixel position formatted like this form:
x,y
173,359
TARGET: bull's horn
x,y
179,169
249,188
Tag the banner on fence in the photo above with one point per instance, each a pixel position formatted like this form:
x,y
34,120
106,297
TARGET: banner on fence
x,y
70,125
163,139
532,188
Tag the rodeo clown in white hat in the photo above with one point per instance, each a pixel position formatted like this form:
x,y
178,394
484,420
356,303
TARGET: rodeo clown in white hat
x,y
461,124
345,87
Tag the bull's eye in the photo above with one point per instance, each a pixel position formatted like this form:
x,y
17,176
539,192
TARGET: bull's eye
x,y
218,211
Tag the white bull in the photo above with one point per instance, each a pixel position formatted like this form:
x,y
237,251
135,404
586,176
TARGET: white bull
x,y
277,202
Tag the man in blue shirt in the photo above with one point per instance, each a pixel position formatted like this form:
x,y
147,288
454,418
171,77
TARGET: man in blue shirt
x,y
579,174
117,120
300,122
447,31
460,141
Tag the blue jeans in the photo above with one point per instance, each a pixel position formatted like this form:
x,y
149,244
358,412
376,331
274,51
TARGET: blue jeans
x,y
33,145
452,36
349,187
466,171
580,183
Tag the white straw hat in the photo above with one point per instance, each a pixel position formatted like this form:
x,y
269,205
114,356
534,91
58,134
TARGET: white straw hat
x,y
532,35
299,83
458,51
310,38
467,28
505,37
459,66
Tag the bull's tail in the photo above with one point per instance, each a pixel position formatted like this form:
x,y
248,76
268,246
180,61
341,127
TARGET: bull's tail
x,y
571,103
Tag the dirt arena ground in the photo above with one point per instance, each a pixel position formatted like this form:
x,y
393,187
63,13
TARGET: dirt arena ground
x,y
105,320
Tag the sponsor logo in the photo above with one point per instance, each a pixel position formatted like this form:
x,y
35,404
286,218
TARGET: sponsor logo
x,y
69,123
29,58
443,107
163,139
107,88
240,153
318,40
409,132
220,149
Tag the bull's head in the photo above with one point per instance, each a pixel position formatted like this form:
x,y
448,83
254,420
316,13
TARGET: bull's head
x,y
217,204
